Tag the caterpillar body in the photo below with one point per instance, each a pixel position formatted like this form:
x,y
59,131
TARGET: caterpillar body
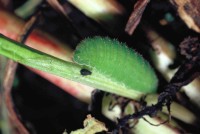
x,y
117,62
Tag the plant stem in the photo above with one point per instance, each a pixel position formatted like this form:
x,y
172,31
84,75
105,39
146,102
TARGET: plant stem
x,y
69,70
11,26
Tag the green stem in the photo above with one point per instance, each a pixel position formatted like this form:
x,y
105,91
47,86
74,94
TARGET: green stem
x,y
36,59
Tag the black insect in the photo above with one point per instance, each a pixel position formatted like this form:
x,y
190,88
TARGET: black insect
x,y
85,72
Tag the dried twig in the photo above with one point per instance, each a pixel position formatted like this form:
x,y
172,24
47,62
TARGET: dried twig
x,y
136,16
189,11
185,74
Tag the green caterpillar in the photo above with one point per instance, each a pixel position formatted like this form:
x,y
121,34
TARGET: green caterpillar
x,y
98,62
117,62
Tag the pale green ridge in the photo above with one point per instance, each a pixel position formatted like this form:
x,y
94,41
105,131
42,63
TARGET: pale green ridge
x,y
36,59
117,63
